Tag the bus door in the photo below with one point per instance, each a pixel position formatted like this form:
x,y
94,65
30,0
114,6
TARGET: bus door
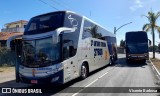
x,y
70,60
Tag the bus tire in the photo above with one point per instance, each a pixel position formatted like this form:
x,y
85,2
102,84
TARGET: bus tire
x,y
143,61
128,61
84,71
110,62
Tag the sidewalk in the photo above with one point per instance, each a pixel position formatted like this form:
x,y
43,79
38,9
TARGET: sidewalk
x,y
157,55
155,62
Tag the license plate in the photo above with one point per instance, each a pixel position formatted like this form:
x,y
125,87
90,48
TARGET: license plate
x,y
34,81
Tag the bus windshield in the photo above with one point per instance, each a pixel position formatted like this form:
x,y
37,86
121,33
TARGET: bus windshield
x,y
136,42
40,53
137,48
136,37
44,23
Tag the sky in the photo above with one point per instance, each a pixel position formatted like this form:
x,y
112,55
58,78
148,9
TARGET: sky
x,y
107,13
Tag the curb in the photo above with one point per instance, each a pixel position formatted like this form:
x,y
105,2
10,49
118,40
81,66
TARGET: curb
x,y
155,68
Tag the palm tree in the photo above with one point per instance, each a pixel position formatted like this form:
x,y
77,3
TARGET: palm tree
x,y
152,18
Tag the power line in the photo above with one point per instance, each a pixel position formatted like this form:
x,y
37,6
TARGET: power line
x,y
66,5
59,3
48,4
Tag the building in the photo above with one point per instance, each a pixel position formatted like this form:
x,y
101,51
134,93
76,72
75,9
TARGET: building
x,y
9,39
12,33
17,26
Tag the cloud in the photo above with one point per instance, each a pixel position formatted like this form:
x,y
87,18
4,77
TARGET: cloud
x,y
137,4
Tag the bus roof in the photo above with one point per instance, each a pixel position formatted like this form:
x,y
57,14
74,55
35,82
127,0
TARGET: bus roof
x,y
107,34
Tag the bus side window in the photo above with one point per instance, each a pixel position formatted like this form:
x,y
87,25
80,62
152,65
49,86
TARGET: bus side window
x,y
68,49
65,53
71,51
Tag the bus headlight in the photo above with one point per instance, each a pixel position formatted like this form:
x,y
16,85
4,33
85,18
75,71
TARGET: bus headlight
x,y
49,72
55,79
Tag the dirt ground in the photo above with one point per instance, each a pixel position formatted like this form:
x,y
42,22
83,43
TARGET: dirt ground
x,y
7,74
6,69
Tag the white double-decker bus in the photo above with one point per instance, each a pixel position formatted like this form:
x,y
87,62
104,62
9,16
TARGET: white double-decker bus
x,y
61,46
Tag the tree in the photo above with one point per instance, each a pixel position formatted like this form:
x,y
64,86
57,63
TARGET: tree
x,y
122,43
151,26
7,57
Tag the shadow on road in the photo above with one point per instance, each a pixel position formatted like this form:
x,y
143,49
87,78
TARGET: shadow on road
x,y
49,89
122,63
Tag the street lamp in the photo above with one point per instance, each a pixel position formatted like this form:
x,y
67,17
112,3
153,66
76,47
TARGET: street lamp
x,y
116,29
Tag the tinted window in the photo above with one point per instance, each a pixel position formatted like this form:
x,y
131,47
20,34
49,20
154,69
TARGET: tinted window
x,y
69,45
136,37
87,29
110,39
44,23
92,30
137,48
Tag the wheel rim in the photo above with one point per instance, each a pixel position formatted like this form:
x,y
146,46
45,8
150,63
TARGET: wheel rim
x,y
84,71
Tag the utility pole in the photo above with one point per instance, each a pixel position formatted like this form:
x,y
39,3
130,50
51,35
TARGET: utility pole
x,y
116,29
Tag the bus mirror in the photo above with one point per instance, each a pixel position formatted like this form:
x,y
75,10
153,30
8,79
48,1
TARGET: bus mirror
x,y
149,42
65,30
55,38
61,30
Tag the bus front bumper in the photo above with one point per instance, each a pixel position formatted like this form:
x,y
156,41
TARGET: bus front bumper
x,y
137,57
54,78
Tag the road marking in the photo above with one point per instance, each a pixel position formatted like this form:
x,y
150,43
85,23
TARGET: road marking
x,y
95,80
85,87
77,92
89,84
155,68
103,75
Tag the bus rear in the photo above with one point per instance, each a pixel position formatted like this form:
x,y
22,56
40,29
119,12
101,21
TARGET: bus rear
x,y
136,46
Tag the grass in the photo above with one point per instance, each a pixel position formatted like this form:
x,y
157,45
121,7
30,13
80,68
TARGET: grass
x,y
156,62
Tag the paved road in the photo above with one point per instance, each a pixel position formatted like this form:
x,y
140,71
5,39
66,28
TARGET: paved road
x,y
119,75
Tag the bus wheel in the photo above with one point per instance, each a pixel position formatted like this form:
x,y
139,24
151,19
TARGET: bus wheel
x,y
143,61
128,61
84,71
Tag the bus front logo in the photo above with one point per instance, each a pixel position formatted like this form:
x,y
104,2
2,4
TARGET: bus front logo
x,y
33,72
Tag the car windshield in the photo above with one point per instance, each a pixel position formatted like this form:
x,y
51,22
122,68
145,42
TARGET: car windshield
x,y
40,53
